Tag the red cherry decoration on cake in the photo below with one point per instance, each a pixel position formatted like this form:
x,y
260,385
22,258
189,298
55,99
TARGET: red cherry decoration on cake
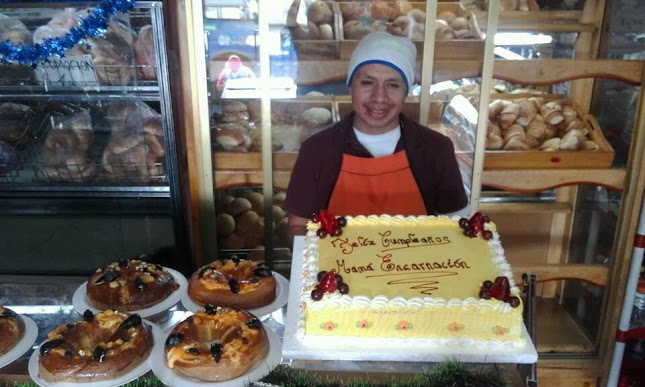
x,y
463,222
328,283
487,284
339,279
475,226
320,275
487,235
501,289
317,294
329,224
484,293
343,288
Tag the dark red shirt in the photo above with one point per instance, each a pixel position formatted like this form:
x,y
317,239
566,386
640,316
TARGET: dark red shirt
x,y
431,156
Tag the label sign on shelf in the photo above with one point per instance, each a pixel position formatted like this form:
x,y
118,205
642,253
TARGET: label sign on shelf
x,y
67,71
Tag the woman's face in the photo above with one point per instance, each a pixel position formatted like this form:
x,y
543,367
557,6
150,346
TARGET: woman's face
x,y
378,93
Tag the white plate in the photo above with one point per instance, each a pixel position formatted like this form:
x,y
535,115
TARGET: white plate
x,y
23,345
82,303
135,373
281,297
168,376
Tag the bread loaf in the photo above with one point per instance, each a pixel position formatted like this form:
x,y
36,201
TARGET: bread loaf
x,y
552,112
508,116
494,141
246,221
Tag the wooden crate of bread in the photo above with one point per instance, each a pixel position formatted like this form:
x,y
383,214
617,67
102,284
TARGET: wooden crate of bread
x,y
404,18
545,132
318,39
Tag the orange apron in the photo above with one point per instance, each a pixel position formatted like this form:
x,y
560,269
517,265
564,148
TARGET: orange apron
x,y
381,185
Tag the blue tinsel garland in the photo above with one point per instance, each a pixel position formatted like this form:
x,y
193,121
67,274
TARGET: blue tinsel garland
x,y
94,24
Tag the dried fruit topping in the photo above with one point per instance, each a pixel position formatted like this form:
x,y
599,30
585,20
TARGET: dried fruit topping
x,y
501,289
132,321
139,283
254,323
174,339
98,354
329,224
123,262
107,277
210,309
328,283
262,271
48,346
233,285
216,351
88,315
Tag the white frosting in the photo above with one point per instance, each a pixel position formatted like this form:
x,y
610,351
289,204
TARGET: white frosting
x,y
339,301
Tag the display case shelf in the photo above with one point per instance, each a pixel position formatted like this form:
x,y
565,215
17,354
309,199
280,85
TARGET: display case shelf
x,y
557,331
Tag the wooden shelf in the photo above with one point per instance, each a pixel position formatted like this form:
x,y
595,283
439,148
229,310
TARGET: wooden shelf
x,y
556,330
539,21
530,181
595,274
525,208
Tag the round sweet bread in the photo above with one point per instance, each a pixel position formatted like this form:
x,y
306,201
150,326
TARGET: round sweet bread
x,y
102,346
129,284
216,344
232,282
12,328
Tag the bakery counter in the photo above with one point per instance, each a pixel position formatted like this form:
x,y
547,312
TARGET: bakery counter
x,y
48,301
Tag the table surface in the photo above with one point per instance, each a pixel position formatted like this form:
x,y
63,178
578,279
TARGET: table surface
x,y
48,301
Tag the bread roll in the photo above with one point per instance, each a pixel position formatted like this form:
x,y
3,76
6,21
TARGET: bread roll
x,y
418,16
494,141
124,141
404,7
572,140
233,107
517,144
532,141
446,16
257,202
589,145
245,221
315,117
229,138
283,231
225,225
355,30
278,212
459,23
317,11
527,112
576,124
537,128
463,34
154,144
350,10
238,206
514,131
496,107
493,128
552,112
279,198
153,127
223,203
443,33
326,32
551,145
569,114
384,10
508,116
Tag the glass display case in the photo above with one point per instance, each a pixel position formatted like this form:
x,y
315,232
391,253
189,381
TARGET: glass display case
x,y
88,138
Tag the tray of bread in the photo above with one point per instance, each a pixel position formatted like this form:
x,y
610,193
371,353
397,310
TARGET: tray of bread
x,y
544,132
457,33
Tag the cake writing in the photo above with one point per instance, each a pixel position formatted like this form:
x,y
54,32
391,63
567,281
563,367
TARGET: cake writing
x,y
388,242
387,265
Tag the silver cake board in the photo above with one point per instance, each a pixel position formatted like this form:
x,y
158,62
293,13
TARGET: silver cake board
x,y
369,349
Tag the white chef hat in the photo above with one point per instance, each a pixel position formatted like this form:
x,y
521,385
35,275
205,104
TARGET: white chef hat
x,y
396,52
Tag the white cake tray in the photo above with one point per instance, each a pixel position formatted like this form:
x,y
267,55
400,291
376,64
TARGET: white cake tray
x,y
366,349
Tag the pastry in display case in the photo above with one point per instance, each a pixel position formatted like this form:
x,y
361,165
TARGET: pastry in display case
x,y
12,329
102,346
233,283
216,344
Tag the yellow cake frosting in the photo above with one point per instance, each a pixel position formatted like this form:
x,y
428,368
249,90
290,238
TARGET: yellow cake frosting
x,y
408,277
